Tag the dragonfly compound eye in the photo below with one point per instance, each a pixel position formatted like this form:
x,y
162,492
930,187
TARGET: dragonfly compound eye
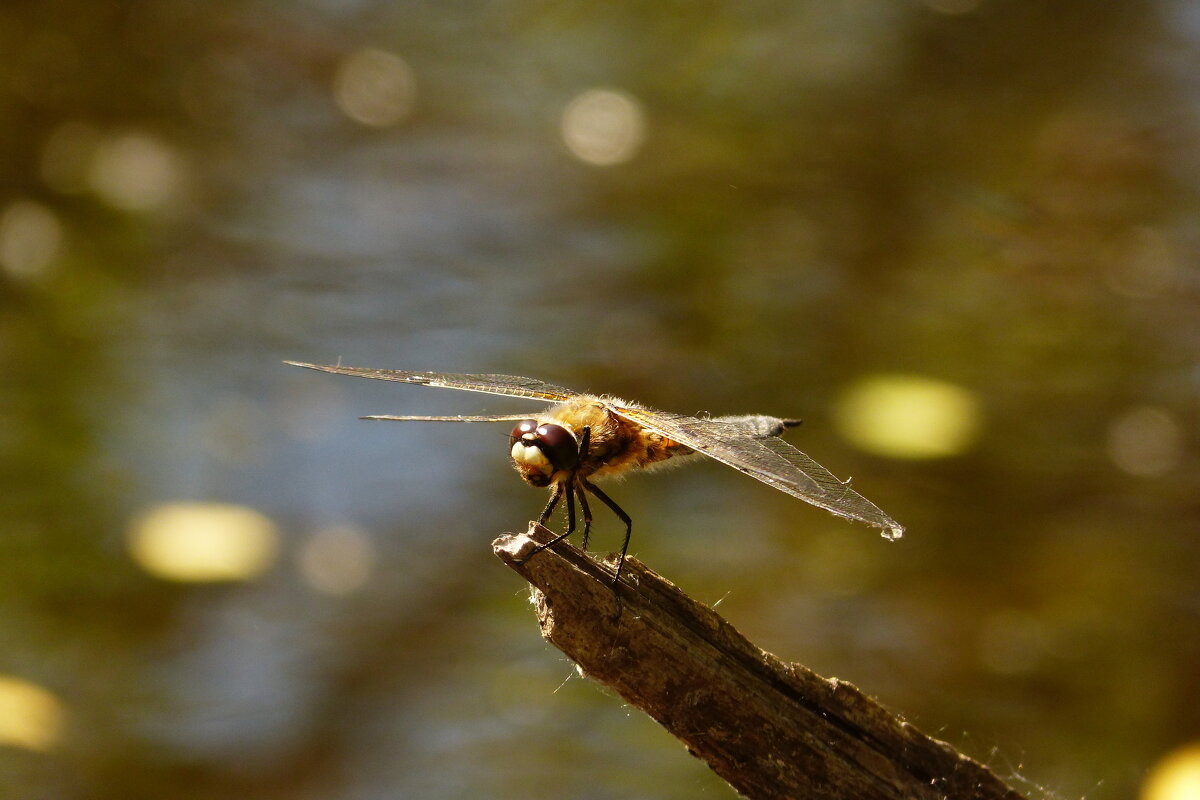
x,y
559,445
546,449
526,430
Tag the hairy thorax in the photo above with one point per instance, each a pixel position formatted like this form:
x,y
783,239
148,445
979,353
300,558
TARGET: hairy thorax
x,y
615,445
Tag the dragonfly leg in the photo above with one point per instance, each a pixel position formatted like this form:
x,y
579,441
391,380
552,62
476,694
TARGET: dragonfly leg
x,y
555,495
585,440
620,512
587,514
559,490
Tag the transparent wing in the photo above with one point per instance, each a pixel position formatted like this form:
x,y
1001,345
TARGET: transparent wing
x,y
766,458
511,385
455,417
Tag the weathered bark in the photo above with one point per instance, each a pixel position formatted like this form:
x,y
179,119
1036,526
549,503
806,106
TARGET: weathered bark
x,y
770,728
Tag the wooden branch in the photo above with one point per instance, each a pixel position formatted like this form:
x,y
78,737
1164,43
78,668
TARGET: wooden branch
x,y
770,728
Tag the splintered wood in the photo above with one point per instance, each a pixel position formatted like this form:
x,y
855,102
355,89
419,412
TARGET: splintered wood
x,y
770,728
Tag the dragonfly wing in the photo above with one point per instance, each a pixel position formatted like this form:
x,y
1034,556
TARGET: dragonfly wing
x,y
768,459
454,417
838,497
510,385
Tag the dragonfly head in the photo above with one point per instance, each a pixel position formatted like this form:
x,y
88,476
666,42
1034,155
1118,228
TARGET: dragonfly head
x,y
543,452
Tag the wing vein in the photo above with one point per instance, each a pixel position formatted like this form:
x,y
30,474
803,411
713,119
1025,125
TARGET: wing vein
x,y
508,385
768,459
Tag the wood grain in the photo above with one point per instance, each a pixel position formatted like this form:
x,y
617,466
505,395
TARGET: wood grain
x,y
772,729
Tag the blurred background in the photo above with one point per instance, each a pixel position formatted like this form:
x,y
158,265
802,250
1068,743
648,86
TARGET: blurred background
x,y
957,237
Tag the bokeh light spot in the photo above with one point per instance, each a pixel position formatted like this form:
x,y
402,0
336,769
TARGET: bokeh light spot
x,y
1144,264
31,237
908,416
136,172
375,88
337,560
1175,777
603,127
30,716
203,542
1146,442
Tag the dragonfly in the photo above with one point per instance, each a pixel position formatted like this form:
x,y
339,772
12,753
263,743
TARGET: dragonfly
x,y
584,436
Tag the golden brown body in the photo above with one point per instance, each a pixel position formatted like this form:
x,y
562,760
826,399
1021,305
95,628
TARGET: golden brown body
x,y
616,445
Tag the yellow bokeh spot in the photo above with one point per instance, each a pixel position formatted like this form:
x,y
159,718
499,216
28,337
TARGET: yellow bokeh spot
x,y
30,716
908,416
1175,777
337,560
603,127
375,88
136,172
31,237
1146,441
203,542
